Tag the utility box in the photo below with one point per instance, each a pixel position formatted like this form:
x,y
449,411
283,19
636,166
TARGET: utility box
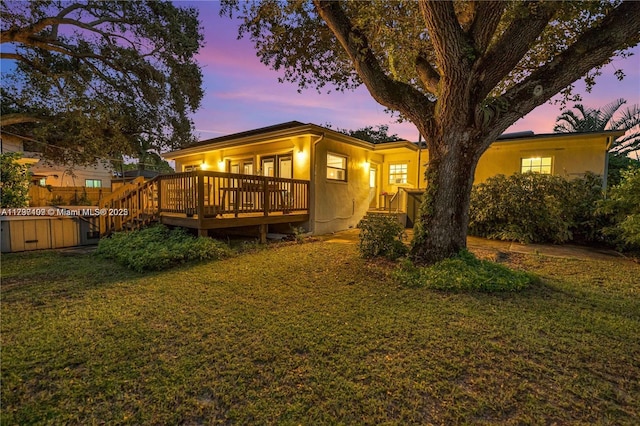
x,y
25,233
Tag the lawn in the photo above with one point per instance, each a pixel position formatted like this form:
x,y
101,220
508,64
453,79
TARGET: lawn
x,y
312,334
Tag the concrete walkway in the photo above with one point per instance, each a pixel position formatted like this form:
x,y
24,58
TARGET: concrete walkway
x,y
565,251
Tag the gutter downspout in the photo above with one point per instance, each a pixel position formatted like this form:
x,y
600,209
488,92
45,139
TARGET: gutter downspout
x,y
313,182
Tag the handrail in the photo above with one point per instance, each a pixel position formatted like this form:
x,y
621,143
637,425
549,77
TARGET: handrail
x,y
132,204
395,195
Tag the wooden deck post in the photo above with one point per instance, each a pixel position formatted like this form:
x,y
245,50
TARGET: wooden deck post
x,y
263,229
265,195
200,194
159,195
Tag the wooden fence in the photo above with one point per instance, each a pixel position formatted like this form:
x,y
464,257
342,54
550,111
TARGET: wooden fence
x,y
66,195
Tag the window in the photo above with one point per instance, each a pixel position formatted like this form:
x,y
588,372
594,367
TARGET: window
x,y
277,166
336,167
93,183
269,167
191,168
540,165
398,173
285,167
247,167
244,166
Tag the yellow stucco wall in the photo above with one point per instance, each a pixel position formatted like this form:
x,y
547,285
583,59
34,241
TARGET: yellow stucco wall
x,y
219,159
338,205
571,156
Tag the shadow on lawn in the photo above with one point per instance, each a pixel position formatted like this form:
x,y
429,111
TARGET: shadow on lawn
x,y
46,275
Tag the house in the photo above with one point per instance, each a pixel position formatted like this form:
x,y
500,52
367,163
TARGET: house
x,y
47,228
55,182
348,177
94,176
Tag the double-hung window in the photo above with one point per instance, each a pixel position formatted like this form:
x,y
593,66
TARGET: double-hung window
x,y
336,167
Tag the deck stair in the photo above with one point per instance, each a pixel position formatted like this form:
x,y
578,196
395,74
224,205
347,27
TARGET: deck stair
x,y
131,206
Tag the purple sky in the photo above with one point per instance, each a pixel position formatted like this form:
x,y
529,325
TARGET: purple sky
x,y
242,94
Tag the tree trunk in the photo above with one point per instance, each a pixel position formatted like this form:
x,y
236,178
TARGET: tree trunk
x,y
441,231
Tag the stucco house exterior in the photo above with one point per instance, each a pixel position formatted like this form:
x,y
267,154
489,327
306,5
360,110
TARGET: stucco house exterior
x,y
56,175
349,177
51,181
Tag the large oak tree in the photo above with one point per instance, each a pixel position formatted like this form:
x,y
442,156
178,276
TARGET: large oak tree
x,y
462,72
84,80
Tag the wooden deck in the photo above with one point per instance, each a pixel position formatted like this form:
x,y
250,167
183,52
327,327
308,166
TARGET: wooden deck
x,y
231,221
205,200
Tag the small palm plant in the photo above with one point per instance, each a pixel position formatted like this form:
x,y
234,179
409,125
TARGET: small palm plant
x,y
582,119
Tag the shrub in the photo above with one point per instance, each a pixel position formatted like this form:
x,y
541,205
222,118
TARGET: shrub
x,y
623,208
57,200
81,200
14,181
536,208
158,247
381,235
463,273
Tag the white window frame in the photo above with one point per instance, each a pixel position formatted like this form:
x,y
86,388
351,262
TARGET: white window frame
x,y
340,173
398,173
93,182
541,165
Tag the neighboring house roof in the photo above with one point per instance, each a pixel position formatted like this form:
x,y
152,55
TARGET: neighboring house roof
x,y
147,174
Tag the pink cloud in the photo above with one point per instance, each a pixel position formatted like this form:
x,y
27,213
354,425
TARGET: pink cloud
x,y
242,93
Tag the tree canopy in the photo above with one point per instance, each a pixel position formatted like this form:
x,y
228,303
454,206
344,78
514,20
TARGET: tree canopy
x,y
373,134
84,80
461,71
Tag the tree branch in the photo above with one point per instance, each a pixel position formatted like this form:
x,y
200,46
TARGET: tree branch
x,y
485,22
448,39
18,118
427,74
386,91
513,45
618,30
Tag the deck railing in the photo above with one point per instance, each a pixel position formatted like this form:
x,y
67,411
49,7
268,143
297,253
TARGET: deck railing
x,y
209,194
204,194
130,206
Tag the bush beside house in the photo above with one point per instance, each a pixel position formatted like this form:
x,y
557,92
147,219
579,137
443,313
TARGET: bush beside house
x,y
622,207
537,208
14,181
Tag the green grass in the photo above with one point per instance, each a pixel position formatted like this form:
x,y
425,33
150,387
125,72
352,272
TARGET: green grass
x,y
313,334
464,273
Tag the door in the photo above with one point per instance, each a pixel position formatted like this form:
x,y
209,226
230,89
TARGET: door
x,y
247,168
285,167
269,167
278,166
373,187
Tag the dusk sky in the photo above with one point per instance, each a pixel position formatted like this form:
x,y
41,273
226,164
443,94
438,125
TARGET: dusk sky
x,y
242,94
